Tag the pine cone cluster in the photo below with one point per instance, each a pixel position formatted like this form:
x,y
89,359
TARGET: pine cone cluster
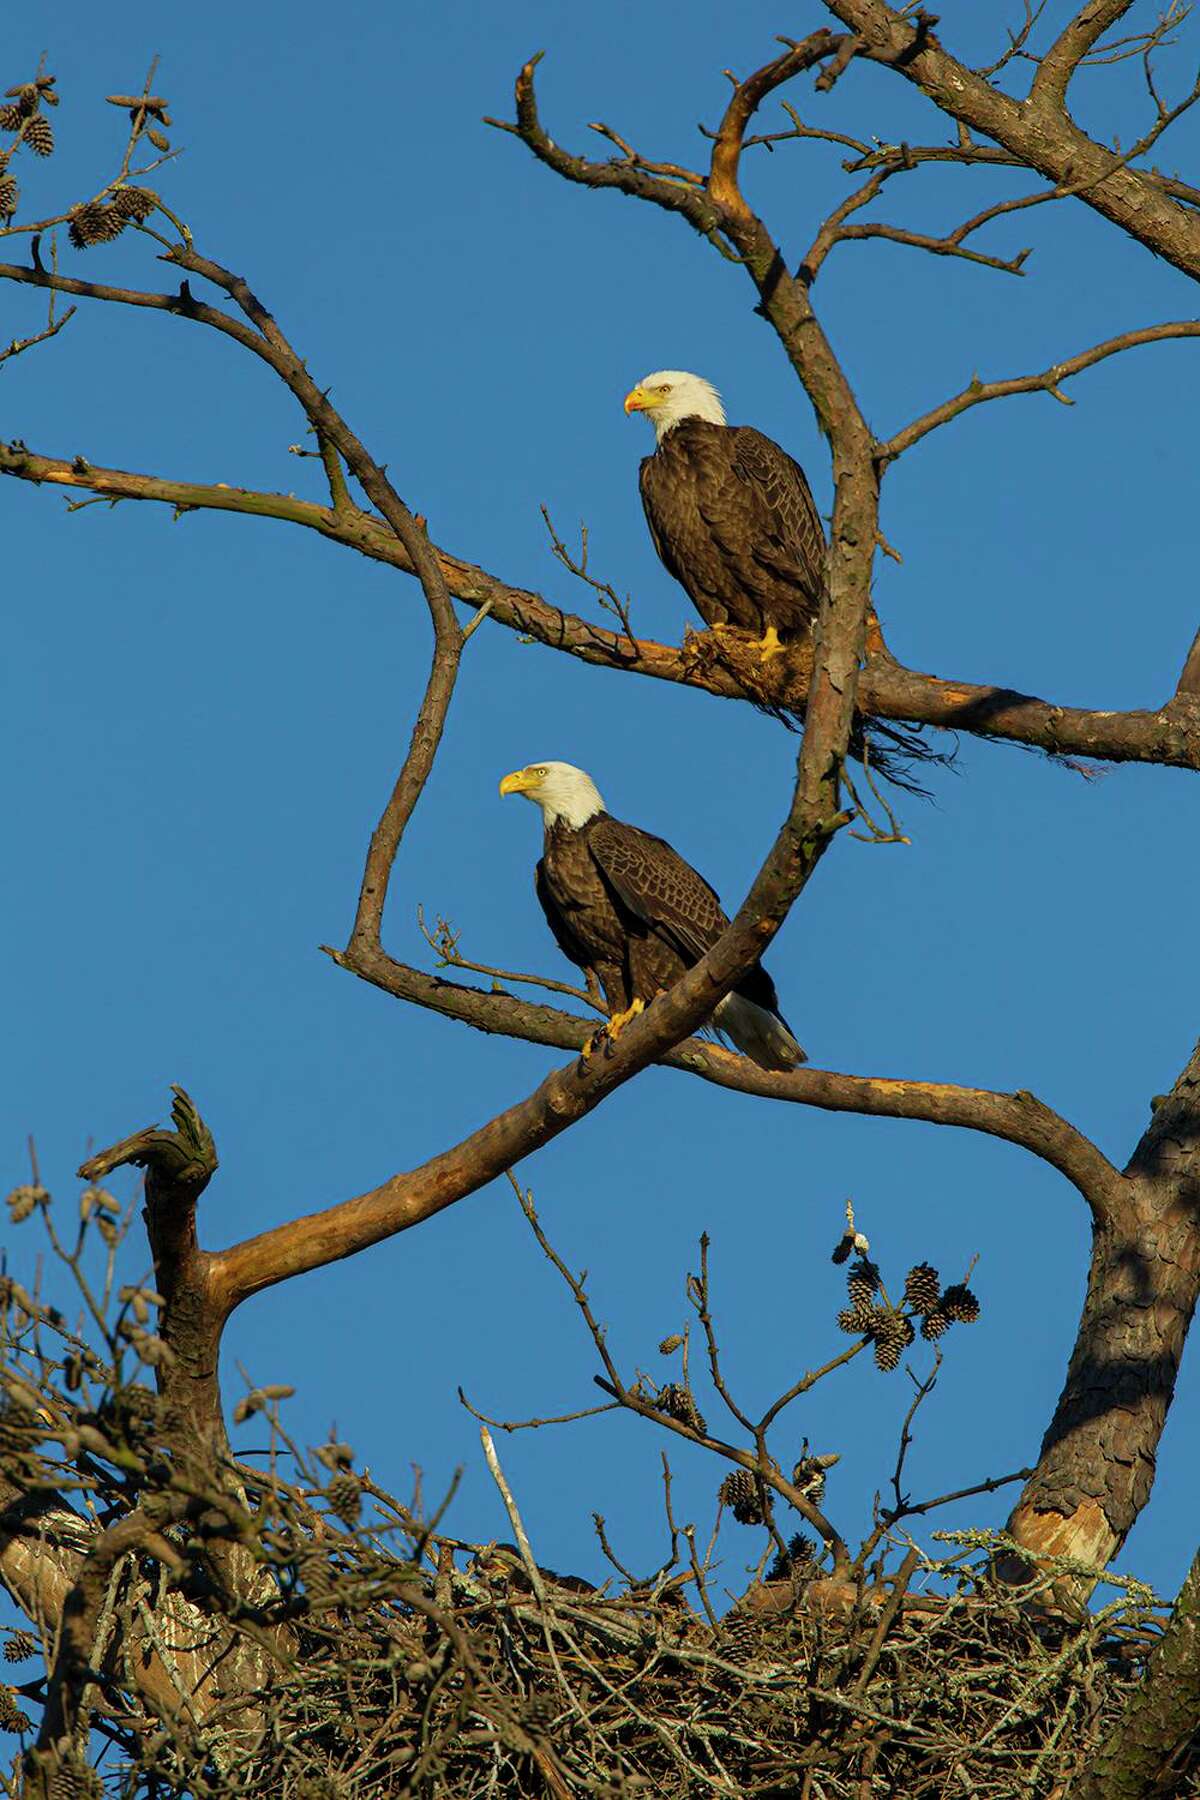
x,y
344,1495
893,1330
678,1402
739,1492
95,223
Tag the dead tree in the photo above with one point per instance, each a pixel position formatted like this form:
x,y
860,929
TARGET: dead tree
x,y
1097,1460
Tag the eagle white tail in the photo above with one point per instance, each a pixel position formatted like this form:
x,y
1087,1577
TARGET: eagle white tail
x,y
758,1034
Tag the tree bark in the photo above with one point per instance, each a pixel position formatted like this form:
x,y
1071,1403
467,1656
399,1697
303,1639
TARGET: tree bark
x,y
1097,1461
179,1165
1152,1749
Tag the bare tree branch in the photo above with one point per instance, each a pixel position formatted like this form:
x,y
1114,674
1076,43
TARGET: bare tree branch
x,y
1047,382
888,690
1073,43
1041,136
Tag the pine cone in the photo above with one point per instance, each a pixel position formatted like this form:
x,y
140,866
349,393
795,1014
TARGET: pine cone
x,y
39,135
20,1647
94,224
906,1330
856,1320
344,1495
134,203
921,1287
11,118
10,193
739,1636
28,98
739,1492
861,1293
809,1477
933,1325
800,1562
318,1578
864,1270
678,1403
843,1247
888,1351
11,1716
22,1200
960,1304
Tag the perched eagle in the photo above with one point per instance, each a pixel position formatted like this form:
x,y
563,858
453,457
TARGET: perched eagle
x,y
731,514
627,909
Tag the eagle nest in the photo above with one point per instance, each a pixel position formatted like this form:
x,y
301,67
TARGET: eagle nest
x,y
391,1660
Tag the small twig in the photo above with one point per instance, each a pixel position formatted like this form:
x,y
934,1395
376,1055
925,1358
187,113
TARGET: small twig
x,y
607,595
511,1425
444,940
53,328
514,1516
886,1617
698,1291
607,1549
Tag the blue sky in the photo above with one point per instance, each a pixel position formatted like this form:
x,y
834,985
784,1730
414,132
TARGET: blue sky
x,y
203,719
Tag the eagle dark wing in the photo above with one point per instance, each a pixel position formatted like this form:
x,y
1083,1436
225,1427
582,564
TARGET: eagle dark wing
x,y
652,881
572,947
792,541
734,521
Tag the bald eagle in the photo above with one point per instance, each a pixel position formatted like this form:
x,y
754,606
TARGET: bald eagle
x,y
627,909
731,515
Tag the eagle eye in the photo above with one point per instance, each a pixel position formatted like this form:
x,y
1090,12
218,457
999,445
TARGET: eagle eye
x,y
665,388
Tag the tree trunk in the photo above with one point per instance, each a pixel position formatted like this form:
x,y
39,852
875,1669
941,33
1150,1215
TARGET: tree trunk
x,y
1152,1748
1097,1461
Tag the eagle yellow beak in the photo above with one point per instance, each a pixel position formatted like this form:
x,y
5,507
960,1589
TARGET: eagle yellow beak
x,y
638,400
519,782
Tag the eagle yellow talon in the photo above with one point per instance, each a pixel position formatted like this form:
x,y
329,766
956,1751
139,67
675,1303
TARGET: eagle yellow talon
x,y
619,1021
769,645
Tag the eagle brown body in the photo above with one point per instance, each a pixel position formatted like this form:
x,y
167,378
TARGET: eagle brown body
x,y
734,521
624,905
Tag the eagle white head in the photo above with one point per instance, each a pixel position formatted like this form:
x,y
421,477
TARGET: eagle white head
x,y
671,395
560,789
